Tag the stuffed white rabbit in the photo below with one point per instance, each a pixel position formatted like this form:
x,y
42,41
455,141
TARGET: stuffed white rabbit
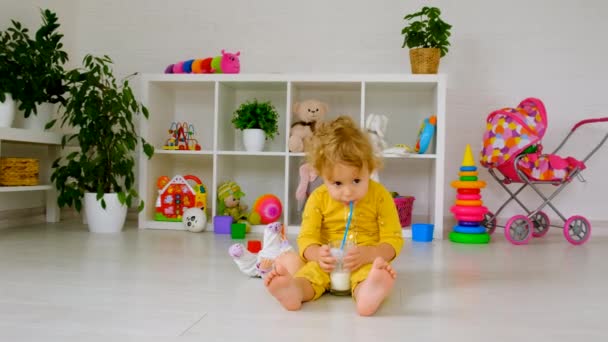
x,y
376,125
258,265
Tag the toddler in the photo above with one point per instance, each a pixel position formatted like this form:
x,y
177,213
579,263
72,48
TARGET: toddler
x,y
343,155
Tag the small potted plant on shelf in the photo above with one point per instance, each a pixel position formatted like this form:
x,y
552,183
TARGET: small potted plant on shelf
x,y
427,37
103,111
258,121
36,69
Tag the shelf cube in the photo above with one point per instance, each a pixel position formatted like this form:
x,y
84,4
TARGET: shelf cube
x,y
254,246
237,230
221,224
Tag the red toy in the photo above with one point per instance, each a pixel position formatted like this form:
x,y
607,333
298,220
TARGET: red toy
x,y
177,195
254,246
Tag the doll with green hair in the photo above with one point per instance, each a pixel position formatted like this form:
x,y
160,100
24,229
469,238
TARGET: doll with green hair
x,y
229,196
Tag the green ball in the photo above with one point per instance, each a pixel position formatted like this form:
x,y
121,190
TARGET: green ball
x,y
254,218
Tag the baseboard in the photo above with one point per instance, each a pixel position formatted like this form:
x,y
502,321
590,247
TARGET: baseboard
x,y
27,216
21,217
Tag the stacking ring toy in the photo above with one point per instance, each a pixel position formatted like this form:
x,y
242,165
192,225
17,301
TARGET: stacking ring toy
x,y
469,191
469,230
463,210
476,203
470,218
468,197
468,178
468,223
469,238
468,185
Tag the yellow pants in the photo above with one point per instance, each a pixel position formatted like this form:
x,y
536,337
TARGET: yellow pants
x,y
320,279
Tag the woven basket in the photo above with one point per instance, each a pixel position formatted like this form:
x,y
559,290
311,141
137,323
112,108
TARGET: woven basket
x,y
19,171
404,206
425,60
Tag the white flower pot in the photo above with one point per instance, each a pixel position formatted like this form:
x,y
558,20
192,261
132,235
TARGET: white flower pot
x,y
7,111
253,139
110,220
36,122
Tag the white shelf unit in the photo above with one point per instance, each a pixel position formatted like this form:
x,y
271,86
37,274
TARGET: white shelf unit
x,y
45,146
208,102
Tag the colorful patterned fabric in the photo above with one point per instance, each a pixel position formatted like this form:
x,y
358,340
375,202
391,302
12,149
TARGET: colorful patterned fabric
x,y
548,167
509,131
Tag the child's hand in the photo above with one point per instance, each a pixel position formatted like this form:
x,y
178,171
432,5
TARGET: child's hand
x,y
326,261
357,256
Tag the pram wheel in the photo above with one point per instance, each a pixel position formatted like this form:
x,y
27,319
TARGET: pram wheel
x,y
541,224
519,230
577,230
489,221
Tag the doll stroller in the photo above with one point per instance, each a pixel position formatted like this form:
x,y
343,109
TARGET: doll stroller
x,y
512,148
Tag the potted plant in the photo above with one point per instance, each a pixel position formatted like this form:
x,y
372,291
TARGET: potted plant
x,y
103,111
258,121
7,104
427,37
36,77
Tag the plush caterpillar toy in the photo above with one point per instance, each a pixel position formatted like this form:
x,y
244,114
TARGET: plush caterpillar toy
x,y
227,63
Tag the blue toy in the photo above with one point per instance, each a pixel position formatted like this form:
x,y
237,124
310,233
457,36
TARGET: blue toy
x,y
425,134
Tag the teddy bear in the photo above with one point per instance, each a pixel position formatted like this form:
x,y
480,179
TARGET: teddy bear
x,y
258,265
229,196
306,115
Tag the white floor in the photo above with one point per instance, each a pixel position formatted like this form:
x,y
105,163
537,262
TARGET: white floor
x,y
59,281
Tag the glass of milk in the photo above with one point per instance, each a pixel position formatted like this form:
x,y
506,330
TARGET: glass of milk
x,y
340,277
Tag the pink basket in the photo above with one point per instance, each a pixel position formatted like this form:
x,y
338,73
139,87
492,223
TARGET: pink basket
x,y
404,206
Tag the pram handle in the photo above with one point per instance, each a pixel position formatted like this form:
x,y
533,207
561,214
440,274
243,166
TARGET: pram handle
x,y
588,121
584,122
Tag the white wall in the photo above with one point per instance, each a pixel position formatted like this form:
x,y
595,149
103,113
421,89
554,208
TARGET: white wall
x,y
28,14
502,52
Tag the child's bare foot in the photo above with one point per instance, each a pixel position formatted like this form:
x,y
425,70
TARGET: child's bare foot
x,y
372,291
283,287
265,266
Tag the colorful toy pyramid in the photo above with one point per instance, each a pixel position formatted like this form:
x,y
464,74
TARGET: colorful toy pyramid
x,y
469,209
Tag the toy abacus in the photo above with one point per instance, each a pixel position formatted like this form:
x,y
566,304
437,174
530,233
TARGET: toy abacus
x,y
181,137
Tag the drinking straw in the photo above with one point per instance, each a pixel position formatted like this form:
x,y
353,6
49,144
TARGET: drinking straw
x,y
350,216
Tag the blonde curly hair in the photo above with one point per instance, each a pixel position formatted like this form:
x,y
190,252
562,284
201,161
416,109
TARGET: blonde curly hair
x,y
340,142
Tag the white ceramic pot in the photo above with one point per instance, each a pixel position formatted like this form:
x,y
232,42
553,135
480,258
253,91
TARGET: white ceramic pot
x,y
7,111
36,122
110,220
253,139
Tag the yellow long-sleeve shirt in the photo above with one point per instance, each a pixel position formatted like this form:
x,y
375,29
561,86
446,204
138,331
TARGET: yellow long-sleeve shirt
x,y
374,221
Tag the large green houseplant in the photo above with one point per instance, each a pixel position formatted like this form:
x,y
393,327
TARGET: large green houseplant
x,y
7,104
427,36
33,67
258,121
103,111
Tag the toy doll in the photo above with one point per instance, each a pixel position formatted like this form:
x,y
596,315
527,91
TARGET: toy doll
x,y
229,196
